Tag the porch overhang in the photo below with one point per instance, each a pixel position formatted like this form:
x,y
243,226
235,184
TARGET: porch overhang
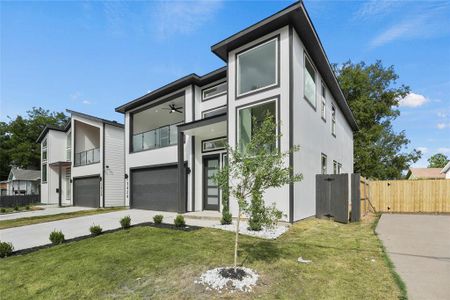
x,y
215,126
60,165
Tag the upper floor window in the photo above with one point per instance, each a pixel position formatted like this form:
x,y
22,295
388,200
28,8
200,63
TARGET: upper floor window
x,y
214,91
333,120
323,162
249,120
335,167
44,150
257,67
69,146
323,103
214,112
44,173
309,82
339,168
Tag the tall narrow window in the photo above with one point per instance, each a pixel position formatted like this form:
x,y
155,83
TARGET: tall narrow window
x,y
339,168
333,120
309,82
335,167
323,104
249,120
44,173
69,147
257,67
323,161
44,150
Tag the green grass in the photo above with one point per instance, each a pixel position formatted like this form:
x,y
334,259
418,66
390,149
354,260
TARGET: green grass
x,y
9,210
41,219
145,262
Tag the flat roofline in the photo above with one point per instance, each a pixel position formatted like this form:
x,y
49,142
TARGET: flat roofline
x,y
93,118
173,87
203,122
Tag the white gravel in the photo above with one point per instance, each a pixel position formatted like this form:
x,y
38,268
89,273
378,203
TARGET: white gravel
x,y
265,233
213,280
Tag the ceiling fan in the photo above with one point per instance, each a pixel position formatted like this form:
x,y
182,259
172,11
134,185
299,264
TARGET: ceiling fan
x,y
172,108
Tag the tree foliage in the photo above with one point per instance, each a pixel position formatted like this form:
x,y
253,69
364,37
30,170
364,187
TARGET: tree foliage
x,y
438,160
373,96
18,137
254,169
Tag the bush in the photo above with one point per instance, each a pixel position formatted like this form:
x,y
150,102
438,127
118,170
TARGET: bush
x,y
158,219
227,218
3,210
125,222
6,249
95,230
260,215
56,237
27,207
16,208
179,221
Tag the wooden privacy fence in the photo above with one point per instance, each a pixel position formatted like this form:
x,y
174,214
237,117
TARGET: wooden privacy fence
x,y
405,196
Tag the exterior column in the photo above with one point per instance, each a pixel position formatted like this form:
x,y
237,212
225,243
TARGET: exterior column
x,y
181,174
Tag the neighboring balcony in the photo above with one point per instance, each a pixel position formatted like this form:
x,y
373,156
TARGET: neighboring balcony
x,y
87,157
156,138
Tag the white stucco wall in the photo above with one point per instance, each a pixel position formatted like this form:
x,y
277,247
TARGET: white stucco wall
x,y
314,137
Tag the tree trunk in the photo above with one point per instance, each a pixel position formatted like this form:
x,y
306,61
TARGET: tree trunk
x,y
237,237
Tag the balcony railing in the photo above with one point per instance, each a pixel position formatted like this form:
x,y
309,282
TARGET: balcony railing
x,y
87,157
156,138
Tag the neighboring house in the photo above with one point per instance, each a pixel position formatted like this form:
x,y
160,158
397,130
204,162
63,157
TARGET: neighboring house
x,y
3,188
446,170
22,182
425,173
83,163
175,135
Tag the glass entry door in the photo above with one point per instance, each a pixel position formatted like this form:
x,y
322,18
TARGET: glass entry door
x,y
210,188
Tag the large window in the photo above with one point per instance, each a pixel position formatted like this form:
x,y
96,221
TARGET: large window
x,y
310,82
257,67
214,91
323,163
249,120
44,173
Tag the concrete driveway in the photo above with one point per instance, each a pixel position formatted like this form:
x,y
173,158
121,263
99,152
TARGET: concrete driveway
x,y
419,246
46,211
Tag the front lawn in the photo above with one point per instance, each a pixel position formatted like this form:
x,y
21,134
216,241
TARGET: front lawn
x,y
152,263
41,219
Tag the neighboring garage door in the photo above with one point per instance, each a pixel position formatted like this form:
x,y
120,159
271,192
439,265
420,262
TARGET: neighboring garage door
x,y
155,188
86,191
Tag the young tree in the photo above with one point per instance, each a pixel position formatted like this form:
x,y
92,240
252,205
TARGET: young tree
x,y
18,145
254,168
438,160
373,97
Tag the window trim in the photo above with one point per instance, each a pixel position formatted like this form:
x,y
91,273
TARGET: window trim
x,y
275,38
323,155
323,101
214,139
204,99
305,58
276,99
212,110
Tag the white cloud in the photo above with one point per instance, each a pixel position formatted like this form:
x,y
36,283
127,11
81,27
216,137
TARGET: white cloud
x,y
183,17
424,150
443,150
86,102
413,100
442,114
374,8
443,125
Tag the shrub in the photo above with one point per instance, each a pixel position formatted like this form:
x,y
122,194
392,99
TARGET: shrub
x,y
158,219
16,208
125,222
27,207
56,237
3,210
227,218
6,249
95,230
179,221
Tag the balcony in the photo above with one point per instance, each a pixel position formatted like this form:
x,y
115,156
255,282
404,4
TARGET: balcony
x,y
156,138
87,157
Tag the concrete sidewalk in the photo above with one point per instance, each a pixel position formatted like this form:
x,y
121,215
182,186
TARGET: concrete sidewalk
x,y
419,246
47,211
38,234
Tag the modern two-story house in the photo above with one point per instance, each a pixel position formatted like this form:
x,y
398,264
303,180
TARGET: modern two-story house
x,y
83,163
175,135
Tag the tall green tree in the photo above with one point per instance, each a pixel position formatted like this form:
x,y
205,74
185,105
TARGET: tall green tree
x,y
373,95
438,160
18,145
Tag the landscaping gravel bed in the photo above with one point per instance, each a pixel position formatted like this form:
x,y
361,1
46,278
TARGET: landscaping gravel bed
x,y
240,279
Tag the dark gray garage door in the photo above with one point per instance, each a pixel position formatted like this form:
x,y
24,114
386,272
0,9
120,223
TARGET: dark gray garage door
x,y
86,191
155,188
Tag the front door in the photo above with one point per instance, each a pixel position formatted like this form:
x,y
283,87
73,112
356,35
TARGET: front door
x,y
210,187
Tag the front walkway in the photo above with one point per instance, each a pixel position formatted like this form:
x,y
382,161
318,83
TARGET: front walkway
x,y
47,211
419,246
37,234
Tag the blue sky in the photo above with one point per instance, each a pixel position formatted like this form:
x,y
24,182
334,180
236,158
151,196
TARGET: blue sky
x,y
94,56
